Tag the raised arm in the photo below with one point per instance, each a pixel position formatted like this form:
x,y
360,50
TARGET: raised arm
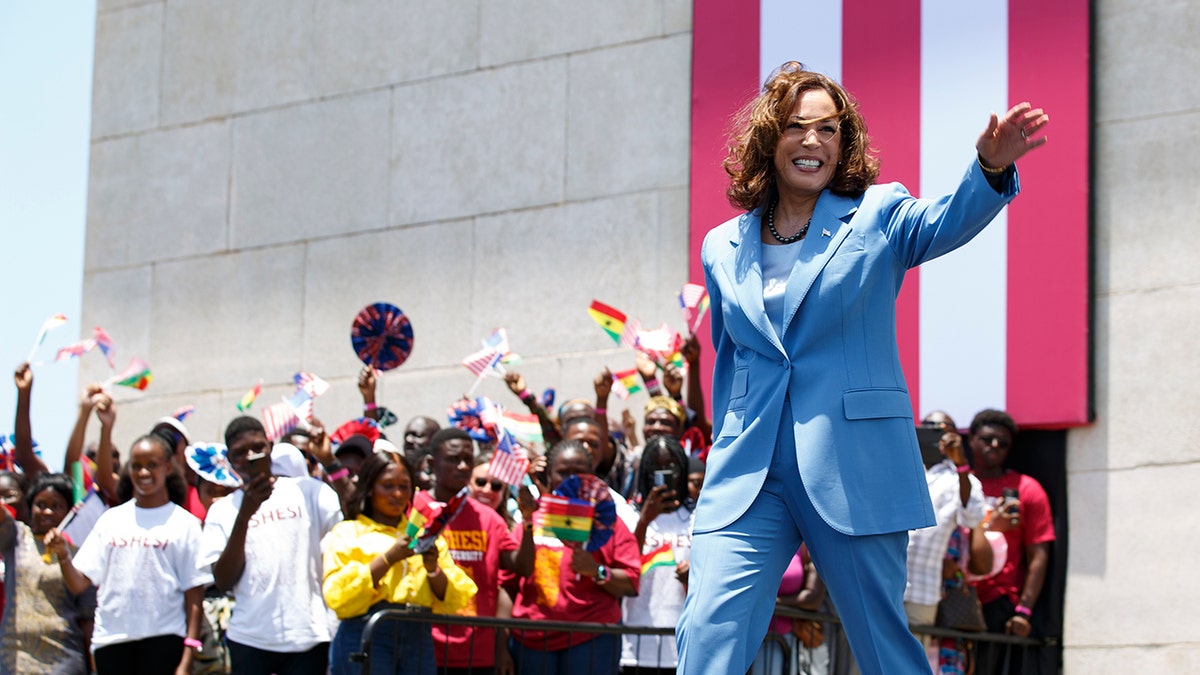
x,y
516,384
23,432
106,472
366,387
75,442
695,388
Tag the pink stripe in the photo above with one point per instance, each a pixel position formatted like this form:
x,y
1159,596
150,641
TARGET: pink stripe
x,y
724,76
881,67
1048,327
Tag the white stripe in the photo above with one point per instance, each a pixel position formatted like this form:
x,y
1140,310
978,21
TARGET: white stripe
x,y
808,31
964,77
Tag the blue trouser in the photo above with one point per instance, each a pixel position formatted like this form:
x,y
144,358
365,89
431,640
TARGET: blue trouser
x,y
735,575
396,646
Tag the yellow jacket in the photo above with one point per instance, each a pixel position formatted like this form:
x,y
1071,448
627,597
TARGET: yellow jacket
x,y
349,550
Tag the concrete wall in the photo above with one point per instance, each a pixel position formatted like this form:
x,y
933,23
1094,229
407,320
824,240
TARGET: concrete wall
x,y
1132,475
261,169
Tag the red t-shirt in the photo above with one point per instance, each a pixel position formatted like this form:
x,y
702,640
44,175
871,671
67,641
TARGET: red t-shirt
x,y
476,537
1037,526
555,593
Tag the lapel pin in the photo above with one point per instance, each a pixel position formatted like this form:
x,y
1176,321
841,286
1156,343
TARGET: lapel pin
x,y
825,233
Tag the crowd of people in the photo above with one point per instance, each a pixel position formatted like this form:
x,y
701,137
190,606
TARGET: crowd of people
x,y
264,555
272,555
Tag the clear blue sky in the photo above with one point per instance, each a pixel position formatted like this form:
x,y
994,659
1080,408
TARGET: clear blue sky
x,y
46,51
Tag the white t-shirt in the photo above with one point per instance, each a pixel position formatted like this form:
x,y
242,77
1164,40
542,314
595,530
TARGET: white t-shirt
x,y
141,561
660,595
279,605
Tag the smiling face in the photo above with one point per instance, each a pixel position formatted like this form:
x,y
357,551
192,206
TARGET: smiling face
x,y
808,152
660,422
484,487
49,508
12,495
390,494
148,468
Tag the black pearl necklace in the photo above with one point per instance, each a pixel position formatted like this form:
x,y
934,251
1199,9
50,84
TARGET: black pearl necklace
x,y
775,233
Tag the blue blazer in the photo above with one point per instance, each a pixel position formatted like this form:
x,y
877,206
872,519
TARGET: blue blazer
x,y
837,364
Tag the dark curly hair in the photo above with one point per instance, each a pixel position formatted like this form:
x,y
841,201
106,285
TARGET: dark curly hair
x,y
758,126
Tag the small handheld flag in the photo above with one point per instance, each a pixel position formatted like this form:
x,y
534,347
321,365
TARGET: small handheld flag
x,y
136,375
247,400
76,350
662,556
693,303
105,343
48,325
610,319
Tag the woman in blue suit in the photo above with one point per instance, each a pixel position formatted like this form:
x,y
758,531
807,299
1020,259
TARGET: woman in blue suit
x,y
813,424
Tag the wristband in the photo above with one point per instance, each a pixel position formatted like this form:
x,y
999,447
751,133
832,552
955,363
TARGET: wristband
x,y
525,393
1023,611
601,411
193,643
368,407
652,384
339,474
434,574
965,468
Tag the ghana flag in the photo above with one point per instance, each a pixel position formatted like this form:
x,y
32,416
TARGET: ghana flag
x,y
568,520
662,556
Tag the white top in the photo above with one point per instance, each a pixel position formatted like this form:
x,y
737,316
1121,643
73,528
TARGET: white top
x,y
927,546
141,561
777,262
279,604
660,595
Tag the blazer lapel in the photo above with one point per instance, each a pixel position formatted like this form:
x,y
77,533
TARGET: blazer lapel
x,y
744,266
830,225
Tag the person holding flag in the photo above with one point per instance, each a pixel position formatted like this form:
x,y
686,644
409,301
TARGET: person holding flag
x,y
573,578
370,565
664,535
813,437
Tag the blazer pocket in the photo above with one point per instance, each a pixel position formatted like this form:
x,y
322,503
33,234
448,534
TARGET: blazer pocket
x,y
862,404
739,385
732,424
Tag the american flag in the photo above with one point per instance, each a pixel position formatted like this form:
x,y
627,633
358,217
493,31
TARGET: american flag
x,y
301,402
75,350
105,343
927,73
278,419
485,362
693,303
310,383
509,463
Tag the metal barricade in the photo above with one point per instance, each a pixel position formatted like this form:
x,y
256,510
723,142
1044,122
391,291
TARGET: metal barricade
x,y
793,658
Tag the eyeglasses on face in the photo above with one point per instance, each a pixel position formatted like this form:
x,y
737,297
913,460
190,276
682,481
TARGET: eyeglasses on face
x,y
495,484
996,441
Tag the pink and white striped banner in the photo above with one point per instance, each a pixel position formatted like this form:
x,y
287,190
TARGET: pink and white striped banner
x,y
1004,321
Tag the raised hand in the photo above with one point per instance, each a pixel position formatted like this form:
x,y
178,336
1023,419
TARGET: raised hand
x,y
1007,139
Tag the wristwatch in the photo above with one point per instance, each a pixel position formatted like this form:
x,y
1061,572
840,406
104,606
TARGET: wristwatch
x,y
603,574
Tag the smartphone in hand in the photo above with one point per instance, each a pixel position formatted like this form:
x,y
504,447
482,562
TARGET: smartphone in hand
x,y
258,463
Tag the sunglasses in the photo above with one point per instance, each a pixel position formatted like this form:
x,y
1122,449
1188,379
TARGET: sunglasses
x,y
483,482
